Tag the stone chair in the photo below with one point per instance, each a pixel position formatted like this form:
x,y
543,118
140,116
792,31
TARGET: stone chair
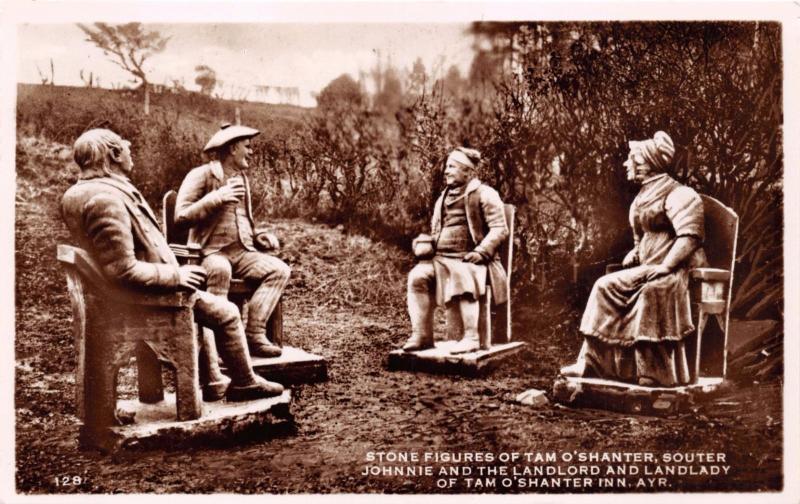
x,y
110,325
494,322
293,366
240,291
710,291
710,295
494,331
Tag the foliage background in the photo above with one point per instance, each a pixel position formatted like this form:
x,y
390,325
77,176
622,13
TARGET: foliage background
x,y
550,105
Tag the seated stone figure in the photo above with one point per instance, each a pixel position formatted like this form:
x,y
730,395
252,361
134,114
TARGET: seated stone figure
x,y
459,257
636,319
109,218
214,201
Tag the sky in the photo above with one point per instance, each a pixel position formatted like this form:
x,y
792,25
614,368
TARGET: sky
x,y
306,56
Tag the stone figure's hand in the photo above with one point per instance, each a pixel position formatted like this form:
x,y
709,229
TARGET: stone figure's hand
x,y
233,191
473,257
631,259
192,276
422,246
267,241
657,271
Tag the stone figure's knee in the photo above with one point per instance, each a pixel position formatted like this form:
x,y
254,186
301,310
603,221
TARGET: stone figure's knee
x,y
602,283
228,313
419,278
284,271
218,269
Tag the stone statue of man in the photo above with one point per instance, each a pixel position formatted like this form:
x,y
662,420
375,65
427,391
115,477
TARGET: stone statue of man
x,y
109,218
214,200
459,258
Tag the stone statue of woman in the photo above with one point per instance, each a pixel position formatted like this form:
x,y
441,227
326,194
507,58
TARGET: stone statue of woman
x,y
637,318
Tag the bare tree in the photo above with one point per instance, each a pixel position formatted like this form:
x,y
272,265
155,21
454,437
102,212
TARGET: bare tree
x,y
88,80
128,46
47,80
206,79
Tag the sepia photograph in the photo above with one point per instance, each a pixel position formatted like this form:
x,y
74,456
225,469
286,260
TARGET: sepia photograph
x,y
400,250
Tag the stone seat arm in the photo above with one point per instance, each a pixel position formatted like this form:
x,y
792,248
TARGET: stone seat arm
x,y
88,269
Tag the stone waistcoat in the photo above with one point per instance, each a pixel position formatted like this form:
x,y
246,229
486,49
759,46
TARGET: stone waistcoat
x,y
199,206
486,222
454,238
233,225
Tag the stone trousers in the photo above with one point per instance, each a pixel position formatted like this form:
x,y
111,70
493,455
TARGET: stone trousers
x,y
268,271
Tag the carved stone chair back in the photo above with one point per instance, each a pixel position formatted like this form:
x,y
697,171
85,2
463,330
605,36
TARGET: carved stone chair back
x,y
494,322
712,287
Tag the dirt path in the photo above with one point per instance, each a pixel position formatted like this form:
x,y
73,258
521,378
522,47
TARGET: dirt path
x,y
346,302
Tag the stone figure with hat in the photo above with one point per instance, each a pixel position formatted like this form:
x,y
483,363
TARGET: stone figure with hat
x,y
108,217
214,201
460,255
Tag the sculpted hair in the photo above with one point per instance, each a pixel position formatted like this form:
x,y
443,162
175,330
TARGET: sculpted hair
x,y
91,150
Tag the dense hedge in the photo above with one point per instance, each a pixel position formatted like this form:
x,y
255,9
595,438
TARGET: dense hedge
x,y
550,105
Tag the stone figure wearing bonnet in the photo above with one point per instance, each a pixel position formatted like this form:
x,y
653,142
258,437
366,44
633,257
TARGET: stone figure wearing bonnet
x,y
459,257
214,200
636,319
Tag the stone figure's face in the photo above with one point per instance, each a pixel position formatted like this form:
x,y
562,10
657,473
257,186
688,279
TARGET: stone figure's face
x,y
456,174
240,153
636,168
123,158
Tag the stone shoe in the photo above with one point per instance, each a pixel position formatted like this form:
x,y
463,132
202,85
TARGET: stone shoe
x,y
260,346
214,391
258,390
415,343
573,370
465,345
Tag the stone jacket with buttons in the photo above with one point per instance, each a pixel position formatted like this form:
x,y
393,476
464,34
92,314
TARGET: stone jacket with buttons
x,y
108,218
198,202
486,219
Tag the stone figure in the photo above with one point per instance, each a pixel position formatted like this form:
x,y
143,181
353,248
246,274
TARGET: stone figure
x,y
459,256
636,319
214,201
109,218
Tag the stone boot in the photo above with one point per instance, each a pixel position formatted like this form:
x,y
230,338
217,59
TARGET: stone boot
x,y
465,345
577,369
416,342
245,384
260,389
214,383
260,346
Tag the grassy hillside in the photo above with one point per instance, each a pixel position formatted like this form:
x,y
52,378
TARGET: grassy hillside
x,y
167,143
66,106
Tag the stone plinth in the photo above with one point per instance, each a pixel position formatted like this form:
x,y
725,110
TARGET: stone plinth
x,y
220,423
440,360
631,398
293,366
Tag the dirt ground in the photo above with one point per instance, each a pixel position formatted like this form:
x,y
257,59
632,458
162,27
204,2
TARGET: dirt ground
x,y
346,302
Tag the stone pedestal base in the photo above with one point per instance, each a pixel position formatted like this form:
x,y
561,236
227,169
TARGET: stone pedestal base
x,y
630,398
293,366
221,423
440,360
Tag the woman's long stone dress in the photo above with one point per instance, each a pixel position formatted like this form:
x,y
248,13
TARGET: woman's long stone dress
x,y
635,328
